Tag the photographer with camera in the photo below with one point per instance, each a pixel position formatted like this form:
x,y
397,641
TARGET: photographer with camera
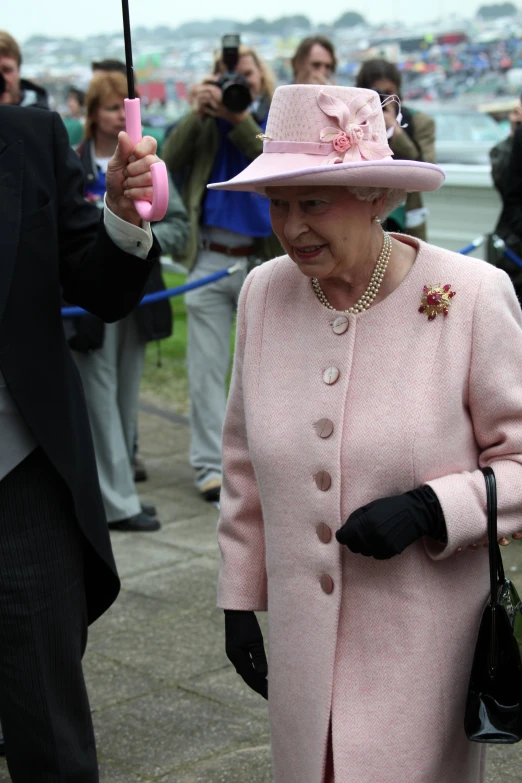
x,y
214,142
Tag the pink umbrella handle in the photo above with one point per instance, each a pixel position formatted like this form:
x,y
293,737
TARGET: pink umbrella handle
x,y
160,183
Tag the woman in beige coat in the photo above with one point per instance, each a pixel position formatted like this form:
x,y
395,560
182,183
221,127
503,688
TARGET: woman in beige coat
x,y
373,376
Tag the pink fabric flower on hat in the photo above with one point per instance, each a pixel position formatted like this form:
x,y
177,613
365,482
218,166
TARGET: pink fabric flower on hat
x,y
354,134
342,142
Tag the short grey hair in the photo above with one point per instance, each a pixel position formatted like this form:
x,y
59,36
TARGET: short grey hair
x,y
394,197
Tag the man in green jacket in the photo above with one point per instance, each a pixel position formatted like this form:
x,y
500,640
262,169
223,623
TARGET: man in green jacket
x,y
212,144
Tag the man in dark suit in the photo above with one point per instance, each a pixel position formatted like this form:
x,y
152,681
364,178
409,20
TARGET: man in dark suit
x,y
57,572
507,176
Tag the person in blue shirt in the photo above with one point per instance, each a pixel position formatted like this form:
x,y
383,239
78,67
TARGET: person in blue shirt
x,y
212,144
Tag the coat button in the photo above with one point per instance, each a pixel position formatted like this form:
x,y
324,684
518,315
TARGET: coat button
x,y
330,375
327,583
324,428
324,534
323,480
341,324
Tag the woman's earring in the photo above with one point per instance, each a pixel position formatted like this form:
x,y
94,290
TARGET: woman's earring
x,y
377,219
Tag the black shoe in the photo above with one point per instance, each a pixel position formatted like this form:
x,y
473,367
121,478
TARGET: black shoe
x,y
211,490
140,523
2,746
212,496
149,509
140,471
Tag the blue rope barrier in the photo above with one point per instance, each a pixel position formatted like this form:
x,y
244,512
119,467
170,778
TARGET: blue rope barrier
x,y
513,256
72,312
499,244
472,246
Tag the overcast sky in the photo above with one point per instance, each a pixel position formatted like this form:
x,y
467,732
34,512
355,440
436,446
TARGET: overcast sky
x,y
23,18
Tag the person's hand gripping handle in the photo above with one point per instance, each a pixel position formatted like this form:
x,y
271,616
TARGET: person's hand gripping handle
x,y
160,184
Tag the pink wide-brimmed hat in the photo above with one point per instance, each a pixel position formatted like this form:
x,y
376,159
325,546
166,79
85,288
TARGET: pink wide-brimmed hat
x,y
326,135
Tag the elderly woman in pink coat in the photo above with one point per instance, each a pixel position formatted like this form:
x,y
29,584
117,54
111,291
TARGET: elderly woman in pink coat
x,y
374,375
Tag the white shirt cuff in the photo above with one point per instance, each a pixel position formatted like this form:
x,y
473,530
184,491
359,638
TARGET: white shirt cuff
x,y
129,238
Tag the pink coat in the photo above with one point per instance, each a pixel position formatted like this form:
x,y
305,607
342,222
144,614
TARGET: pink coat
x,y
385,655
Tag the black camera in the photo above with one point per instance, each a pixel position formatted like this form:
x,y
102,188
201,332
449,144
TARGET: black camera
x,y
234,88
3,85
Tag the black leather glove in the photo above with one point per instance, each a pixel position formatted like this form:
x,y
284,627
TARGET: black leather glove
x,y
245,650
385,527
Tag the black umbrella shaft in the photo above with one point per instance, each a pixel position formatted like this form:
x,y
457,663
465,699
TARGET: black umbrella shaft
x,y
128,48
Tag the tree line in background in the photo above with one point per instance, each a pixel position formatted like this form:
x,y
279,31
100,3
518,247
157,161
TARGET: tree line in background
x,y
496,11
284,25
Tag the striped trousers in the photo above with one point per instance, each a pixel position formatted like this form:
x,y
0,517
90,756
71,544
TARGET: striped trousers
x,y
44,709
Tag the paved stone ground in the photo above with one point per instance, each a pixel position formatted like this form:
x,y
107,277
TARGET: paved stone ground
x,y
167,707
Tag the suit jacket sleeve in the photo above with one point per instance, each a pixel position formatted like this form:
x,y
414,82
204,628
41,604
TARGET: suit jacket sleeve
x,y
95,274
495,384
242,578
513,186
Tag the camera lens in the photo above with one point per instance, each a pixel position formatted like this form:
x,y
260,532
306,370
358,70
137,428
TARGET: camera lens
x,y
236,96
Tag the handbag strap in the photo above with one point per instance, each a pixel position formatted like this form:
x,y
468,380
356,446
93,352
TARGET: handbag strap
x,y
496,568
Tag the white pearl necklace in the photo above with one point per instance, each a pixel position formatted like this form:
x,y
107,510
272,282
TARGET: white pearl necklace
x,y
374,285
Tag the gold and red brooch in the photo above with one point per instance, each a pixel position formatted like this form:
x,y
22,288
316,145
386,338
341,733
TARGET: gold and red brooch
x,y
436,300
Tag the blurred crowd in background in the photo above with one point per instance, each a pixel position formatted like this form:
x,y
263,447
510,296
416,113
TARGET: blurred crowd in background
x,y
477,61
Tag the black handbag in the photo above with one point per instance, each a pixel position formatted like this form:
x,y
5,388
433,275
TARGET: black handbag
x,y
494,701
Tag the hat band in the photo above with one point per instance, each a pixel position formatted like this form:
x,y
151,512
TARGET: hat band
x,y
296,147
